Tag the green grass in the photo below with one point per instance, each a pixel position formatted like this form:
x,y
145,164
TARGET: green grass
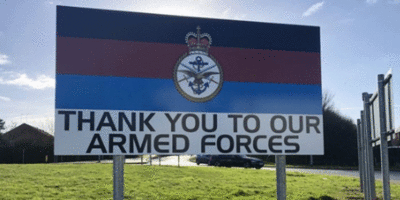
x,y
94,181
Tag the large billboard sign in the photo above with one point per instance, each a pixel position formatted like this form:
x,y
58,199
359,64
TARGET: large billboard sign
x,y
137,83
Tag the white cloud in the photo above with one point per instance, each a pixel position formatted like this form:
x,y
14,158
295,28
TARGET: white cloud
x,y
44,122
41,82
4,98
4,59
372,1
314,8
227,14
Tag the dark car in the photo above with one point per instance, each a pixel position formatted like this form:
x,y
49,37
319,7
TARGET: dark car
x,y
203,159
236,160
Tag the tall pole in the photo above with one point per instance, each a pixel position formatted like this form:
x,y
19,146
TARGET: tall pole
x,y
280,161
384,144
118,173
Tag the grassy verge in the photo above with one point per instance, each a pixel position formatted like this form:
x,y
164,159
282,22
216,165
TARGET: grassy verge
x,y
94,181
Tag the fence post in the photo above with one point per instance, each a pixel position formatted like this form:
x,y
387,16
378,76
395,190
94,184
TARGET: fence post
x,y
365,160
384,144
370,155
360,159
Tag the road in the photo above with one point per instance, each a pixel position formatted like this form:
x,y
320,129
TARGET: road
x,y
184,161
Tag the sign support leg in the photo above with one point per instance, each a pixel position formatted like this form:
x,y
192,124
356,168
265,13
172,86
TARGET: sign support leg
x,y
280,161
118,174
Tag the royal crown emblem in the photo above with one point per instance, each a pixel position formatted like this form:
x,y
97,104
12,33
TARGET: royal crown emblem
x,y
198,43
197,75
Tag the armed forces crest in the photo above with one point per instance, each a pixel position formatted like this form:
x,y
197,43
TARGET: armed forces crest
x,y
197,75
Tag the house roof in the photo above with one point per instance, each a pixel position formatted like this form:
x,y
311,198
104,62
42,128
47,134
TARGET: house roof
x,y
3,142
28,135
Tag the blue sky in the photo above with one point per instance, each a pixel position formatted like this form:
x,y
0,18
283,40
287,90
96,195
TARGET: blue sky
x,y
359,40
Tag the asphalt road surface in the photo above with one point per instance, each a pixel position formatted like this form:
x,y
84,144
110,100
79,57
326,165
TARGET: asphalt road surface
x,y
184,161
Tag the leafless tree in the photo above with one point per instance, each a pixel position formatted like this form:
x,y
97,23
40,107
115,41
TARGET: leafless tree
x,y
327,101
48,125
11,126
2,125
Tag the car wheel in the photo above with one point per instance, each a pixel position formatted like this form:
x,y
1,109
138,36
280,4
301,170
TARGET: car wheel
x,y
217,164
258,167
198,163
246,165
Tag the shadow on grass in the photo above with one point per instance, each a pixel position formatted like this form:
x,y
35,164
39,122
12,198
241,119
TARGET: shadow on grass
x,y
324,197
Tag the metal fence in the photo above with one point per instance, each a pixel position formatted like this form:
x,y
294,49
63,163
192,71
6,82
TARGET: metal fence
x,y
375,127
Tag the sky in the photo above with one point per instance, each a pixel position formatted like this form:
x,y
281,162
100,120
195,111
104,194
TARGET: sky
x,y
359,40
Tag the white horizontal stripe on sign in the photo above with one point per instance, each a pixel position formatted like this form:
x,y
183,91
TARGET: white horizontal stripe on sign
x,y
116,132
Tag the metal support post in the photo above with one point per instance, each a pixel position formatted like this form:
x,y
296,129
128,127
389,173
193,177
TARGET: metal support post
x,y
151,161
179,161
280,162
370,155
384,144
360,159
118,173
366,182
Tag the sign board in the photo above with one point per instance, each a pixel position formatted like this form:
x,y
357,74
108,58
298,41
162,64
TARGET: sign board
x,y
137,83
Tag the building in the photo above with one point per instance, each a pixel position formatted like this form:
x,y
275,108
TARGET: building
x,y
26,144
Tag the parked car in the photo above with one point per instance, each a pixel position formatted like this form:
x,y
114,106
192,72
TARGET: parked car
x,y
202,159
236,160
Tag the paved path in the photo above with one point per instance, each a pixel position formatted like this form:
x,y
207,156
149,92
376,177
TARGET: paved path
x,y
394,176
169,160
184,161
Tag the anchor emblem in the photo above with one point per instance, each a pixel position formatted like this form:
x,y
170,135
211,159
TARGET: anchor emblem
x,y
198,86
197,75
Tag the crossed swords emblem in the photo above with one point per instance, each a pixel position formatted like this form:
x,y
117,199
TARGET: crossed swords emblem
x,y
198,86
